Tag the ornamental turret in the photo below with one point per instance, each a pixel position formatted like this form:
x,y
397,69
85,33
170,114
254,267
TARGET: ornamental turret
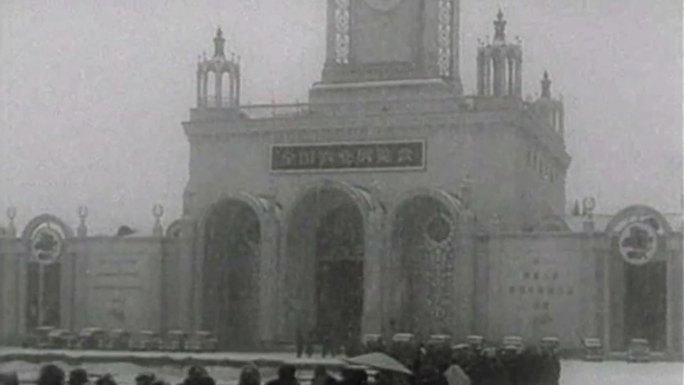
x,y
218,78
499,64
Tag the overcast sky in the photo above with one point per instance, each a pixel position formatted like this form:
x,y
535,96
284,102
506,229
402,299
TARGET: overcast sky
x,y
92,93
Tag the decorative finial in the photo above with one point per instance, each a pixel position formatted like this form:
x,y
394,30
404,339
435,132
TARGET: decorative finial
x,y
219,42
158,212
500,27
546,86
82,230
11,214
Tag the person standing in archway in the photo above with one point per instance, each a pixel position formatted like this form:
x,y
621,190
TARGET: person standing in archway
x,y
299,341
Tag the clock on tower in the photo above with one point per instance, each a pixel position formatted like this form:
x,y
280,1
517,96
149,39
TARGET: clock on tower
x,y
375,40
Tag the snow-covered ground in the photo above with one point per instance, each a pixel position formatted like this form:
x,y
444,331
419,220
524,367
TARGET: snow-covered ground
x,y
573,372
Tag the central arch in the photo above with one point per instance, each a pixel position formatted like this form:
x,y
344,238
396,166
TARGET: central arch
x,y
326,241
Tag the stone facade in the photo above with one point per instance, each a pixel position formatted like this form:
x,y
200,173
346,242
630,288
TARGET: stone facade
x,y
434,211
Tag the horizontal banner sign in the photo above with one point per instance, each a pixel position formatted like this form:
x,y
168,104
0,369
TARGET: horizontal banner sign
x,y
405,155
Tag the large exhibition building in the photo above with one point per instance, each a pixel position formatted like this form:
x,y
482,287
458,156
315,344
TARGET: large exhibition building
x,y
389,202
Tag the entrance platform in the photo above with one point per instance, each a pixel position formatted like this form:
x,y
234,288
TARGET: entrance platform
x,y
155,359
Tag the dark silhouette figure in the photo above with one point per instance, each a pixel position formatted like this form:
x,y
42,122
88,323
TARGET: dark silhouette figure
x,y
51,375
78,377
286,376
299,342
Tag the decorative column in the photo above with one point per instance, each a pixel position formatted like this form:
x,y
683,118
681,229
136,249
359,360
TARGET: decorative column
x,y
518,76
205,88
480,72
510,87
158,212
218,76
199,86
82,230
487,75
11,228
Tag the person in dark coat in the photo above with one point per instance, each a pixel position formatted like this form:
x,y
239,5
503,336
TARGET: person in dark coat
x,y
286,376
322,377
310,340
78,377
250,375
354,376
9,378
107,379
51,375
299,342
198,375
145,379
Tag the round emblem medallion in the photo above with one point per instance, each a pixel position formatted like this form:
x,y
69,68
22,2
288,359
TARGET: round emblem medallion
x,y
383,5
46,245
438,228
638,243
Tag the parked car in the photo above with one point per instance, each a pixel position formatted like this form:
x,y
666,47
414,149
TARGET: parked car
x,y
476,342
118,340
61,339
92,338
373,343
201,341
550,343
513,343
638,350
146,340
593,349
404,347
175,341
38,338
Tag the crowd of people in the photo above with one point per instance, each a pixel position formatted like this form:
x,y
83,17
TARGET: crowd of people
x,y
470,365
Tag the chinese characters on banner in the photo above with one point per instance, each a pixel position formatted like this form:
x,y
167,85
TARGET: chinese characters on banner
x,y
348,156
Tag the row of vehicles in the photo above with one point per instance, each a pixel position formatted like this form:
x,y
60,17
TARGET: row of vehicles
x,y
407,344
99,339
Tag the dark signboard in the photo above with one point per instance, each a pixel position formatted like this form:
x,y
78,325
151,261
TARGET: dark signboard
x,y
405,155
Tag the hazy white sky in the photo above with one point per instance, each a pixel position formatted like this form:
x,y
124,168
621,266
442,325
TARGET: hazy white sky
x,y
92,93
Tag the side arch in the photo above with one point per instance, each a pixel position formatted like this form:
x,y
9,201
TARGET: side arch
x,y
264,252
625,215
39,220
47,285
432,263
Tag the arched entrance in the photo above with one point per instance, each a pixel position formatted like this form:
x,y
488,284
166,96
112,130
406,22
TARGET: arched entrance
x,y
424,241
325,251
232,238
638,277
45,238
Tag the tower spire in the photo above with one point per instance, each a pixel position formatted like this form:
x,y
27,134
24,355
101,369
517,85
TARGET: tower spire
x,y
219,42
546,86
500,27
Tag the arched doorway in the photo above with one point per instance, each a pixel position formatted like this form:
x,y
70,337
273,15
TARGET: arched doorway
x,y
424,236
645,299
231,274
45,238
638,271
326,247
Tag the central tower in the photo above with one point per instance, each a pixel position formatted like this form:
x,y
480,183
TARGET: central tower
x,y
381,40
